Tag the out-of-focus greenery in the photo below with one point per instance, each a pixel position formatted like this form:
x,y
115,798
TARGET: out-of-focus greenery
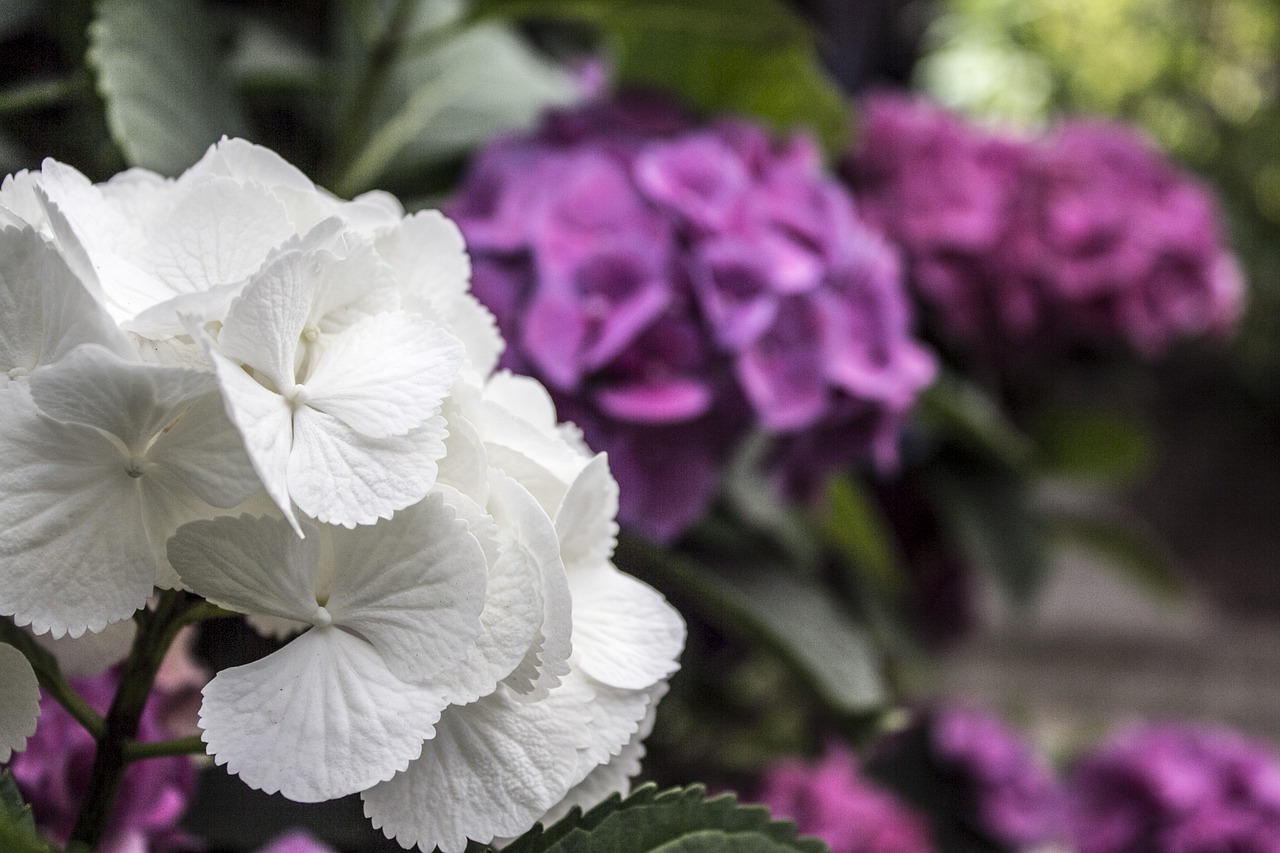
x,y
1201,76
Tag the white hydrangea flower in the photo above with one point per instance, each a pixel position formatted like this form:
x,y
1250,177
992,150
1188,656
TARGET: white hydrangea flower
x,y
462,650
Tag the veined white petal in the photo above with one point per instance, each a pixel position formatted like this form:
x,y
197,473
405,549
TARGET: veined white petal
x,y
218,231
385,375
616,715
530,533
428,254
341,477
264,420
625,634
413,587
132,401
264,325
321,718
70,521
252,565
205,452
465,464
585,518
19,701
492,769
45,310
615,775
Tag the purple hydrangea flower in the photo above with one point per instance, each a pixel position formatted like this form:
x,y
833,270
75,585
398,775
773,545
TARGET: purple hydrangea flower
x,y
1018,797
1176,789
831,800
53,774
676,284
1086,235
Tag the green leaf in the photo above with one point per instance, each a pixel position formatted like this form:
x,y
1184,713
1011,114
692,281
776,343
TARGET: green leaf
x,y
160,74
267,58
1094,444
442,102
960,410
679,819
991,516
854,524
17,827
751,57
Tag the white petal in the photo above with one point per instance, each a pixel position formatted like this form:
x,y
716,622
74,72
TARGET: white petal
x,y
428,255
129,400
244,161
45,311
585,519
615,775
265,322
19,701
512,618
217,232
465,465
91,653
321,718
252,565
70,521
413,586
353,283
616,715
492,769
385,375
264,420
205,452
341,477
275,627
530,533
625,634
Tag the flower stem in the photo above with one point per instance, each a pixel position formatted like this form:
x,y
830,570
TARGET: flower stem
x,y
156,630
352,126
137,751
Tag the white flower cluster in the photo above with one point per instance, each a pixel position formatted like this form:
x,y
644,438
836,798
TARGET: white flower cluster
x,y
234,383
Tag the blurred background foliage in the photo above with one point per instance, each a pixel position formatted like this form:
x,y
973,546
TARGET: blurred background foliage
x,y
1200,77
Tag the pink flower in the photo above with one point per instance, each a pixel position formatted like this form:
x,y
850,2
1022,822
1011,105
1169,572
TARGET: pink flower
x,y
830,799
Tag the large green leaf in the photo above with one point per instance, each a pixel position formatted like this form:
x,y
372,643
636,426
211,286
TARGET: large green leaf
x,y
679,819
440,102
160,73
753,57
855,525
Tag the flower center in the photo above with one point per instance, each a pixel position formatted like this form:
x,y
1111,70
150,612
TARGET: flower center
x,y
321,618
18,372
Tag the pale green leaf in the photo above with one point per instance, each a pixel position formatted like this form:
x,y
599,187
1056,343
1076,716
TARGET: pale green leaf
x,y
160,74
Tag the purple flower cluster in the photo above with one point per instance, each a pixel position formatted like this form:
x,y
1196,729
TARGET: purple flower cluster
x,y
1018,797
675,285
831,800
1177,789
1087,235
53,774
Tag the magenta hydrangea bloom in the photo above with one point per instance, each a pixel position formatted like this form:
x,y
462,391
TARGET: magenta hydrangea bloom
x,y
1087,235
53,774
830,799
1019,800
1176,789
675,285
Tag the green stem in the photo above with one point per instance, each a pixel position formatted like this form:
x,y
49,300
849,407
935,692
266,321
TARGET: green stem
x,y
137,751
352,127
73,704
156,630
